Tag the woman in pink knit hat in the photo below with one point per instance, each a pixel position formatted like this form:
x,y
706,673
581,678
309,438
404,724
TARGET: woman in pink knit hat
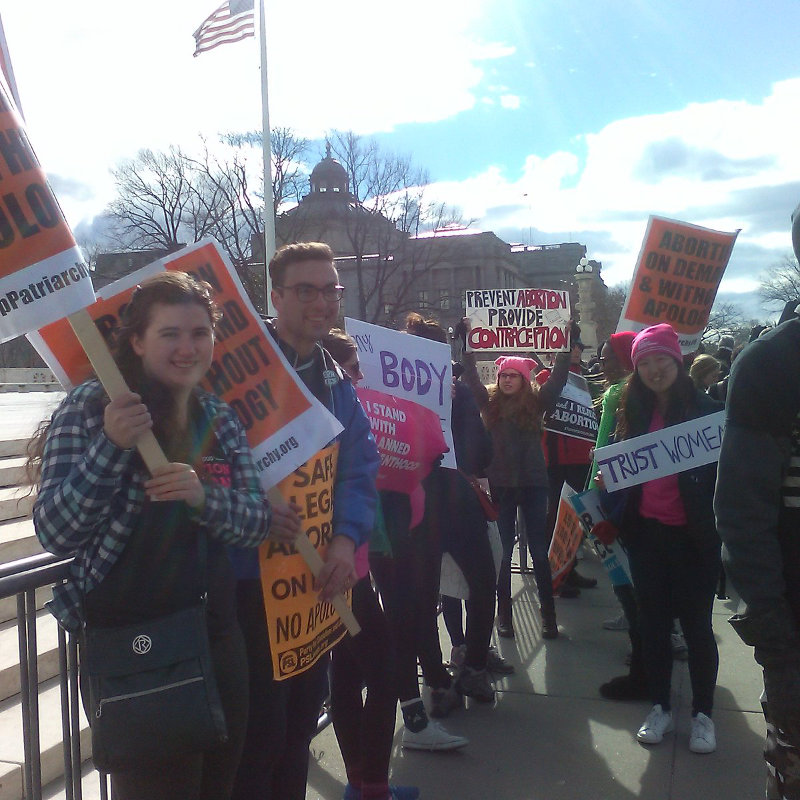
x,y
669,531
518,475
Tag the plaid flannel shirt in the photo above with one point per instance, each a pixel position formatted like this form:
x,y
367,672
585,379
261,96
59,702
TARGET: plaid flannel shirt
x,y
92,492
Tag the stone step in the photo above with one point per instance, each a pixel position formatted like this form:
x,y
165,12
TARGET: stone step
x,y
12,756
12,471
46,645
13,446
8,605
16,502
18,540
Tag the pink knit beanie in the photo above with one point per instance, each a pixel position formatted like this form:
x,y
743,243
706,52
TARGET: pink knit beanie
x,y
521,365
656,339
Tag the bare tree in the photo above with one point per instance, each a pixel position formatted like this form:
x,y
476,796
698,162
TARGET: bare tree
x,y
157,205
288,151
726,319
608,307
389,210
780,282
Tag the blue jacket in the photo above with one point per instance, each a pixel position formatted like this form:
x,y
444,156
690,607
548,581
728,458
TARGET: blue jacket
x,y
354,495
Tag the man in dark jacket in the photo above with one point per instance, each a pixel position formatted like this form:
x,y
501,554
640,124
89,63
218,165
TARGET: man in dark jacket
x,y
757,504
284,713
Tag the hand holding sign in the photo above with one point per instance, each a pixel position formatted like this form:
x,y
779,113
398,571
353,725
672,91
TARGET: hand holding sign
x,y
338,574
286,522
126,418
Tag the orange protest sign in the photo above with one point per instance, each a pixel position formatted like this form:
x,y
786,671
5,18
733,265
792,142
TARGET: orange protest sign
x,y
284,423
567,537
301,628
677,275
42,274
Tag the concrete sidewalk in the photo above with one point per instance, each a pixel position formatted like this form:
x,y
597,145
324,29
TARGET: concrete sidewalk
x,y
550,736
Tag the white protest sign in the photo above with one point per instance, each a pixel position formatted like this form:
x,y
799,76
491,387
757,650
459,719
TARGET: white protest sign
x,y
408,367
666,452
518,320
574,413
589,508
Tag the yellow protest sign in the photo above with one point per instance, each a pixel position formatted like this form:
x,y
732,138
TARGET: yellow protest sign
x,y
301,628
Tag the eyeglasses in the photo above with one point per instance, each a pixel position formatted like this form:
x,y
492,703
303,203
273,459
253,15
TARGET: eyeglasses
x,y
307,293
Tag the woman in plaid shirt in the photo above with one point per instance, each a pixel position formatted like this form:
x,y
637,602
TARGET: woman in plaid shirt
x,y
134,537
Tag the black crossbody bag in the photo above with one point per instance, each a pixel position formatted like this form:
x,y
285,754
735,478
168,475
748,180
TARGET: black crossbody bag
x,y
150,689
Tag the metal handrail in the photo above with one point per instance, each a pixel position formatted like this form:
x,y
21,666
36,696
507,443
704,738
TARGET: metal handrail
x,y
22,578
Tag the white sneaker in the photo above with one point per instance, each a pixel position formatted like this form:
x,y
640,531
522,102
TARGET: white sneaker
x,y
658,723
702,739
432,737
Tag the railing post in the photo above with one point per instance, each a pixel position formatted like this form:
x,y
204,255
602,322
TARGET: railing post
x,y
75,714
66,726
33,694
25,693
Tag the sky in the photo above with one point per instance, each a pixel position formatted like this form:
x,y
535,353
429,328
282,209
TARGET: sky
x,y
544,121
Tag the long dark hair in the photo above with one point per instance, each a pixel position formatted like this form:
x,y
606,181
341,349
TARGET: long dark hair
x,y
638,402
167,288
522,407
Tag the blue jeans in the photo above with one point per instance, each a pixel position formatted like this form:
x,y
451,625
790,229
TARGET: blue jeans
x,y
532,500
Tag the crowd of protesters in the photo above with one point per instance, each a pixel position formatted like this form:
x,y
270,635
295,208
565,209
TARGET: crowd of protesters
x,y
97,503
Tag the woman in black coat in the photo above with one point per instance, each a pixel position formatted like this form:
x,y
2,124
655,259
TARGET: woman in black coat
x,y
669,531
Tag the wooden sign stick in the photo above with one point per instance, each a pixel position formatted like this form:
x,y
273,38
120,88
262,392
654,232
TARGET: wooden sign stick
x,y
153,456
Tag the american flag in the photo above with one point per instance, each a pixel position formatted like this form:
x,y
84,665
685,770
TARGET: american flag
x,y
231,22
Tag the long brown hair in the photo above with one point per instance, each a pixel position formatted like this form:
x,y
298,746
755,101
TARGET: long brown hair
x,y
523,407
638,402
167,288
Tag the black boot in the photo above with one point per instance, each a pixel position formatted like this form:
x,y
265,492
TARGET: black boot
x,y
505,624
578,581
549,626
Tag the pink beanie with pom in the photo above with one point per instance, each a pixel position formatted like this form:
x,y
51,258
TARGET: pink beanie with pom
x,y
522,365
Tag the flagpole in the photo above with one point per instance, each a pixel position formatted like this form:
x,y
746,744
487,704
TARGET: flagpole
x,y
269,206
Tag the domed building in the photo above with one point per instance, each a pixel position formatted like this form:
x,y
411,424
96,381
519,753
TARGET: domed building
x,y
388,272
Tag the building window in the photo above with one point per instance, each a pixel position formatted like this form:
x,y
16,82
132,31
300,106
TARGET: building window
x,y
387,309
423,299
444,299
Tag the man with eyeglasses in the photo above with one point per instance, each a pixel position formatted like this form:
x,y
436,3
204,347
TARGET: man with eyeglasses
x,y
283,714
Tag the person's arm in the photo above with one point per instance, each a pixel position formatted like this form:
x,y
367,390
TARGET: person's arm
x,y
747,505
354,495
471,378
239,514
551,389
81,476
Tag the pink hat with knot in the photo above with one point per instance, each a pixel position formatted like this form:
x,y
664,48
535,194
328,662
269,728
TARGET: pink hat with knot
x,y
654,340
517,363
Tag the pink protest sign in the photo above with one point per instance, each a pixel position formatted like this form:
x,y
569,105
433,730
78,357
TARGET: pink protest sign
x,y
409,438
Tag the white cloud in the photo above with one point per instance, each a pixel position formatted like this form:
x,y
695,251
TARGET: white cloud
x,y
511,101
100,84
723,165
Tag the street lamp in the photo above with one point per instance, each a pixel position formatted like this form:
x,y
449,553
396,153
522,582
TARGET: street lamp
x,y
583,265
